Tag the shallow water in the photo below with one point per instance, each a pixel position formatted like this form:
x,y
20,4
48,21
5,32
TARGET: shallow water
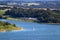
x,y
32,31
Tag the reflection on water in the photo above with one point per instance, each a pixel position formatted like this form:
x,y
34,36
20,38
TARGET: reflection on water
x,y
32,31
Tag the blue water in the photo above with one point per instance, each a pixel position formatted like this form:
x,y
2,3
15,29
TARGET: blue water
x,y
40,32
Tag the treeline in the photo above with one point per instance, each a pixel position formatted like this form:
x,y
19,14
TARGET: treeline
x,y
43,16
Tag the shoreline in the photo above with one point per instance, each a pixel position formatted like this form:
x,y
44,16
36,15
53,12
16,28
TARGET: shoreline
x,y
31,21
12,30
49,23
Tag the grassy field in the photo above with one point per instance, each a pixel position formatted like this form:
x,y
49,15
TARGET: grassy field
x,y
2,11
19,19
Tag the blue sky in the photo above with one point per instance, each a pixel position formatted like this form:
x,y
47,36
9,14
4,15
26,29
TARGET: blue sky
x,y
29,0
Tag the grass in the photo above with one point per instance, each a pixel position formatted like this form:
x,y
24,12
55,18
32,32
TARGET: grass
x,y
3,11
19,19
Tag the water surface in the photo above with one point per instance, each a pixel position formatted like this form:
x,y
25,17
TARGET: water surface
x,y
32,31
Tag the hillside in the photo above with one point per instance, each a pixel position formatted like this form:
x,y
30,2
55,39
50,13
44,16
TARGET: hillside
x,y
43,16
5,26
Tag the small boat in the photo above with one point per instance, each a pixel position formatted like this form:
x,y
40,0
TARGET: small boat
x,y
33,29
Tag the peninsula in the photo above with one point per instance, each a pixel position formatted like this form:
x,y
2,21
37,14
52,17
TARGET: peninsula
x,y
5,26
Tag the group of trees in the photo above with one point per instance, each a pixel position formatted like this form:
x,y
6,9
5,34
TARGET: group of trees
x,y
6,26
43,16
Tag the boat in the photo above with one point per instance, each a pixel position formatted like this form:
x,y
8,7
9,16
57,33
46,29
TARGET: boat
x,y
33,29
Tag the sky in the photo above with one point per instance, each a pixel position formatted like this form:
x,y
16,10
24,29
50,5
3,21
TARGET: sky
x,y
29,0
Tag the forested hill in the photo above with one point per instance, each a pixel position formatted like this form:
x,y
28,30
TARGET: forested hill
x,y
43,16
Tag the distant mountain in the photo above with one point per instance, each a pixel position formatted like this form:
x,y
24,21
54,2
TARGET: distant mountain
x,y
40,4
45,4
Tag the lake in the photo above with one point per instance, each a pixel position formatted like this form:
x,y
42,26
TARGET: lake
x,y
32,31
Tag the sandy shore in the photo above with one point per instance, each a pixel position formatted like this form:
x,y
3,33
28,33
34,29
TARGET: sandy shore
x,y
12,30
